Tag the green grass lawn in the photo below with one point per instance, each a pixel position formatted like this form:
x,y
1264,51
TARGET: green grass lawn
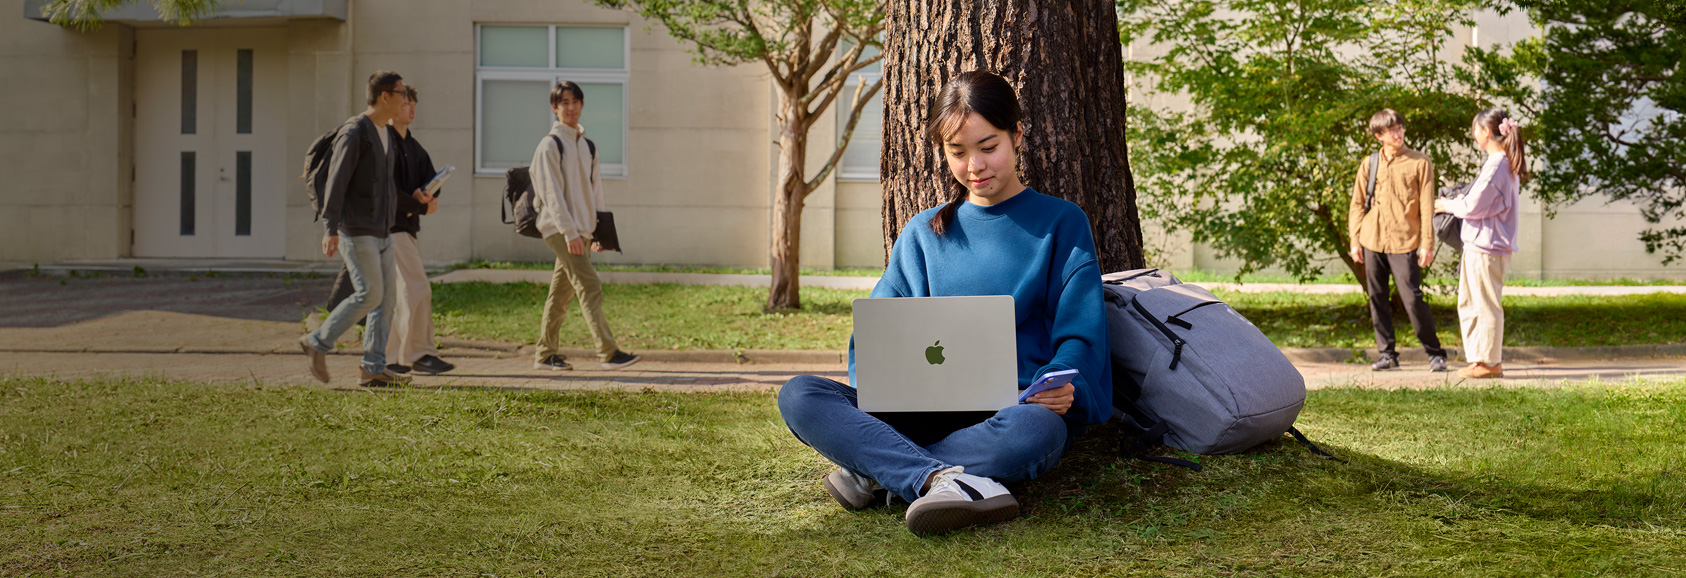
x,y
148,478
647,317
712,269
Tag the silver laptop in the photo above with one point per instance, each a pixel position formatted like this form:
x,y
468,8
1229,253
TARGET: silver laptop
x,y
936,354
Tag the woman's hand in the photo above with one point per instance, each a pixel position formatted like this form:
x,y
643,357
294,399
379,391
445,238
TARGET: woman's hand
x,y
1058,399
1440,206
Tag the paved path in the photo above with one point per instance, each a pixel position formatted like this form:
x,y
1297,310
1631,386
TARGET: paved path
x,y
516,372
243,329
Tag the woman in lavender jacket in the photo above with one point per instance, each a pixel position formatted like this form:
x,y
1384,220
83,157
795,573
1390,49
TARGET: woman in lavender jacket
x,y
1489,212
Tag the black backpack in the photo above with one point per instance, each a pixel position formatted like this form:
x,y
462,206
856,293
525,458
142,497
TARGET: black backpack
x,y
316,164
518,196
1448,228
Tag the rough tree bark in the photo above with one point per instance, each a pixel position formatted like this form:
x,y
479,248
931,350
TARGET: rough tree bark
x,y
1066,61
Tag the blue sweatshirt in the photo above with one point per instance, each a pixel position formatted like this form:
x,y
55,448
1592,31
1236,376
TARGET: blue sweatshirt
x,y
1039,250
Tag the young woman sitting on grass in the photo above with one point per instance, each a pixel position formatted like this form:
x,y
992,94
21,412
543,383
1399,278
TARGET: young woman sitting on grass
x,y
996,237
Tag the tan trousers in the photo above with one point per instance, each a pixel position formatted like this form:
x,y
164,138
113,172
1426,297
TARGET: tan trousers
x,y
411,336
573,277
1481,316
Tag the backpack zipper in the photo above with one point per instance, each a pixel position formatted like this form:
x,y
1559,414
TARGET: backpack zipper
x,y
1177,319
1177,352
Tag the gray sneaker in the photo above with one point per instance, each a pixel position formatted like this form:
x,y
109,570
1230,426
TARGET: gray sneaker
x,y
853,492
318,361
1385,363
957,500
1437,363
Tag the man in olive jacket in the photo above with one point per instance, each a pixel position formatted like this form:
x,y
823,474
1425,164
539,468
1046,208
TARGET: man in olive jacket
x,y
1392,233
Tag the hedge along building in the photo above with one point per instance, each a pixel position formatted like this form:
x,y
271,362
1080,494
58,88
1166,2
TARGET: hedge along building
x,y
148,140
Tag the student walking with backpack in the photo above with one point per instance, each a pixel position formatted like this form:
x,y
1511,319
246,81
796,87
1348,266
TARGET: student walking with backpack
x,y
358,207
568,194
1391,225
410,344
1491,213
995,237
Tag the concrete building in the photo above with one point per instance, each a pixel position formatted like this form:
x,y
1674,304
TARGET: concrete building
x,y
145,140
148,140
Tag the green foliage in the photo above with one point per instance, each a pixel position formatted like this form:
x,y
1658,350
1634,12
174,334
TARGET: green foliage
x,y
1605,88
729,32
85,15
1261,167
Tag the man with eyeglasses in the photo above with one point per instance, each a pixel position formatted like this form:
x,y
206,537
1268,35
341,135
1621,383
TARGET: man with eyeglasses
x,y
358,206
1391,225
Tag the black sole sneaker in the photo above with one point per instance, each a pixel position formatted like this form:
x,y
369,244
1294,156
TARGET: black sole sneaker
x,y
553,363
619,360
431,365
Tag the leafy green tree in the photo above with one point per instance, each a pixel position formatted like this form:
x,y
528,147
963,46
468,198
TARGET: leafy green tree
x,y
1606,91
797,41
1260,165
87,14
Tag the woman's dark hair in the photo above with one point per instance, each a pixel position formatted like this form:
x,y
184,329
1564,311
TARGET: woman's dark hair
x,y
1508,133
977,91
410,93
565,86
382,82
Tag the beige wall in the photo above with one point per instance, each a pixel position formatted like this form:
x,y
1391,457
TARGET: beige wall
x,y
700,152
65,144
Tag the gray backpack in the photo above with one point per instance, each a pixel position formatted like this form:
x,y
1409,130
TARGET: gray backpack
x,y
1192,373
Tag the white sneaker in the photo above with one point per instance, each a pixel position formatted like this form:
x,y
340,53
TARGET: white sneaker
x,y
957,500
851,491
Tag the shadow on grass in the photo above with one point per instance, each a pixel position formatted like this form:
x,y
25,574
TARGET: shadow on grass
x,y
1162,498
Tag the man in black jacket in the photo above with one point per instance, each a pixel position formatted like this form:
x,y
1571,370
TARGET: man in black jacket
x,y
358,206
411,340
410,344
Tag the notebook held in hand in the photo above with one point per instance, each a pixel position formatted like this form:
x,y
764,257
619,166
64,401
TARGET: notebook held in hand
x,y
605,236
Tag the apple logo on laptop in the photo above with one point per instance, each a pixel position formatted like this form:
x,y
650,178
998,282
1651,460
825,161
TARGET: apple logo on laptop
x,y
934,353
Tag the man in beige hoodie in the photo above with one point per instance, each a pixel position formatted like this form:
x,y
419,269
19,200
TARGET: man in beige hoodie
x,y
568,195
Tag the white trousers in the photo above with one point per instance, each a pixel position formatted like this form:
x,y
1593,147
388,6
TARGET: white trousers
x,y
1481,316
412,320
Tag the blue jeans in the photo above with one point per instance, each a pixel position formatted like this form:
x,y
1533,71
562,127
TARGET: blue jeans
x,y
374,281
1016,444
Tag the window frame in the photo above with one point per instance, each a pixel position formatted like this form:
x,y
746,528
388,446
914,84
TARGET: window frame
x,y
844,174
554,75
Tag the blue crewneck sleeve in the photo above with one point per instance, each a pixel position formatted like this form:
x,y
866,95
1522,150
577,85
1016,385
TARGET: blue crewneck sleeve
x,y
1037,249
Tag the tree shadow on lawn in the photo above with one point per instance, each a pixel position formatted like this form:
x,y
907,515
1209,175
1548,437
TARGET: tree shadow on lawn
x,y
1285,476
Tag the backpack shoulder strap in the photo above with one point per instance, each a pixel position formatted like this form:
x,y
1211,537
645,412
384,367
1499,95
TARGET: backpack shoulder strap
x,y
560,151
1370,191
590,144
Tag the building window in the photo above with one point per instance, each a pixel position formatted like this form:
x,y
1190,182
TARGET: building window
x,y
518,64
860,161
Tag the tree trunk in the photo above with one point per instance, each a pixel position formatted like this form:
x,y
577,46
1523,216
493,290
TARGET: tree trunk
x,y
786,253
1066,61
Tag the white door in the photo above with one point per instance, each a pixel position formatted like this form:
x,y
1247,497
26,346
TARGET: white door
x,y
210,111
